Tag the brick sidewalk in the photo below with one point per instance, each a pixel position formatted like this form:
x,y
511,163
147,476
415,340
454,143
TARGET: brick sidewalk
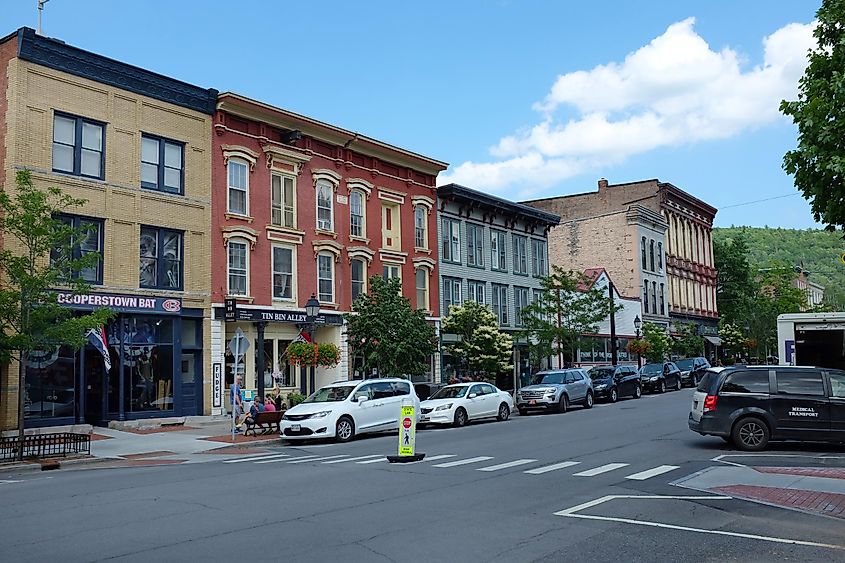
x,y
829,473
814,502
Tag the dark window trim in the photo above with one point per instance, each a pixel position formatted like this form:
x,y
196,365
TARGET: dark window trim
x,y
77,145
75,220
494,263
161,143
448,234
160,259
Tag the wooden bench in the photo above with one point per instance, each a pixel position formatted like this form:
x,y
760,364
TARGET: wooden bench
x,y
264,421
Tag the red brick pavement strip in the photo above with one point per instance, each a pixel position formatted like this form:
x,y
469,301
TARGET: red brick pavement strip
x,y
95,437
158,429
145,455
829,473
814,502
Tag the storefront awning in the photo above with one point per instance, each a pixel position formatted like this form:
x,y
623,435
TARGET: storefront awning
x,y
714,340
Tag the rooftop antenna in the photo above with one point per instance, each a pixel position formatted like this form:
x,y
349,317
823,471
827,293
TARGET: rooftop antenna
x,y
40,11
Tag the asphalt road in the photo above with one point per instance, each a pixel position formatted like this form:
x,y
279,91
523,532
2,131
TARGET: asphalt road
x,y
517,500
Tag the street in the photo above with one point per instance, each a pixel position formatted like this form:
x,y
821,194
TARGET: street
x,y
588,485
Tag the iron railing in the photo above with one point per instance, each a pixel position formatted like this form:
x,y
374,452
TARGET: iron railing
x,y
56,444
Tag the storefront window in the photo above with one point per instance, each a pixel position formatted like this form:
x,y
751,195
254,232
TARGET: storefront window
x,y
50,384
285,374
147,363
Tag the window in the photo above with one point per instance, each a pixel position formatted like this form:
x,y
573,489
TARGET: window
x,y
162,164
282,272
477,291
500,303
659,256
420,227
747,382
161,258
475,245
651,254
325,278
538,255
451,241
89,240
391,271
803,382
391,230
283,198
837,384
645,297
237,268
238,187
662,299
520,255
325,210
359,287
422,289
654,298
451,294
520,299
357,227
642,252
498,252
78,146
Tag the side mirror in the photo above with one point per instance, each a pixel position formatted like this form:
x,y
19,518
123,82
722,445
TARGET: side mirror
x,y
361,398
472,395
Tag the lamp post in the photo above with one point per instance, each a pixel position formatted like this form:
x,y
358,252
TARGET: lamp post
x,y
312,309
637,324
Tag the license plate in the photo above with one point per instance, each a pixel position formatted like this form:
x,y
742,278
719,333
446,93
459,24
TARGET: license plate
x,y
532,402
295,428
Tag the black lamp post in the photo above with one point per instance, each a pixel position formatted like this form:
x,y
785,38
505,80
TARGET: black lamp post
x,y
637,324
312,309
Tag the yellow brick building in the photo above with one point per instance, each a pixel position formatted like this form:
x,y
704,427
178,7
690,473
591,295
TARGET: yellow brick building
x,y
137,146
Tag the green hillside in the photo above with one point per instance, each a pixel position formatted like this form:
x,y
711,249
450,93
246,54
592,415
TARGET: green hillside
x,y
818,251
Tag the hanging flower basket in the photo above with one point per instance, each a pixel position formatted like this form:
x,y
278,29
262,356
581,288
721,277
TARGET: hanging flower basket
x,y
638,347
306,354
328,355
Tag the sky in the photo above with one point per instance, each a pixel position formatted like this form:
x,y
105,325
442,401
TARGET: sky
x,y
523,98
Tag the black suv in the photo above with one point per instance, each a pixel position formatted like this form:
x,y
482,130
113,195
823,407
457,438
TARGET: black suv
x,y
692,369
750,405
659,377
612,382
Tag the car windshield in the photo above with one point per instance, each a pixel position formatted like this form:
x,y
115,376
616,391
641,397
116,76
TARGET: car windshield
x,y
685,364
652,369
330,394
555,377
451,392
601,373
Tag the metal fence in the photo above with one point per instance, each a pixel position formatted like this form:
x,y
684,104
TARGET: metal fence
x,y
57,444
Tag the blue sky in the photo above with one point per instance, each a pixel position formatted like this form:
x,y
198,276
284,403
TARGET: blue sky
x,y
524,98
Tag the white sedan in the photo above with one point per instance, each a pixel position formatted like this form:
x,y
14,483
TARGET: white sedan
x,y
458,404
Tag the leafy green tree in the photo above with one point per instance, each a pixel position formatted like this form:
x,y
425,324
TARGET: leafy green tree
x,y
688,343
659,343
391,336
732,339
735,287
570,306
483,349
818,163
37,257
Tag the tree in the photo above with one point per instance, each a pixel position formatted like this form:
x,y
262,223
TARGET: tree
x,y
571,305
659,343
37,257
735,287
732,339
388,333
777,295
818,163
687,343
483,348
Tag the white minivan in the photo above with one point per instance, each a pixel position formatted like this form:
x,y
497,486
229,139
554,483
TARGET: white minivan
x,y
343,409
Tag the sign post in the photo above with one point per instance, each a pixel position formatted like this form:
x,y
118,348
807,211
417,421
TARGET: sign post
x,y
238,346
407,435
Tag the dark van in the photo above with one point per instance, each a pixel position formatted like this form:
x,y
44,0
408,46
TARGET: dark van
x,y
751,405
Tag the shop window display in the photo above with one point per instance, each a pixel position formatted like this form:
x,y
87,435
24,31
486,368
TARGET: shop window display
x,y
147,363
50,383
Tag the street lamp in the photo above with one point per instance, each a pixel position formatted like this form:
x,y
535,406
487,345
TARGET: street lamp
x,y
637,324
312,309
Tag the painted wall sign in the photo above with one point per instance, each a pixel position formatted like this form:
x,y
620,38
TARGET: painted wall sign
x,y
121,303
275,316
217,385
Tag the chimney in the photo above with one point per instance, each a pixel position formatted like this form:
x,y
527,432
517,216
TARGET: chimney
x,y
602,184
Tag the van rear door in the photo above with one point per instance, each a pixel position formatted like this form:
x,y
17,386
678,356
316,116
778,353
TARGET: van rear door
x,y
800,405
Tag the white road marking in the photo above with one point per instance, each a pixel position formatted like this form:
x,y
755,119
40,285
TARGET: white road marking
x,y
571,513
288,460
648,474
353,459
380,459
515,463
553,467
599,470
464,461
255,458
9,481
436,457
318,458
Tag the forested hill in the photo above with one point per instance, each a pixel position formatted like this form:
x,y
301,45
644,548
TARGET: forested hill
x,y
819,251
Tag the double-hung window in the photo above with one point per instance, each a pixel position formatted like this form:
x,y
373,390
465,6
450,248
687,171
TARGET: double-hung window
x,y
238,176
282,272
420,227
520,299
498,251
325,209
282,201
78,146
325,277
477,291
451,294
659,256
662,298
160,258
451,241
643,254
87,239
475,245
500,303
359,278
357,225
538,263
645,297
391,271
238,254
520,255
162,164
422,289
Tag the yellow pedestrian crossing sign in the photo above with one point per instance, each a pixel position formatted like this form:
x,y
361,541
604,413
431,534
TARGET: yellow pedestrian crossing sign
x,y
842,257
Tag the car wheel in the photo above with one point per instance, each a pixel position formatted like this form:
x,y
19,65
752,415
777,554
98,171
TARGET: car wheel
x,y
523,412
679,386
695,381
563,404
345,429
614,395
661,388
504,412
588,402
638,392
750,434
460,417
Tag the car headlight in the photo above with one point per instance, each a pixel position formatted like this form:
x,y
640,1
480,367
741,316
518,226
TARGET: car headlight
x,y
445,407
322,414
601,386
654,378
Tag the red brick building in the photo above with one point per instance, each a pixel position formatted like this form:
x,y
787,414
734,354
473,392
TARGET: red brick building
x,y
301,208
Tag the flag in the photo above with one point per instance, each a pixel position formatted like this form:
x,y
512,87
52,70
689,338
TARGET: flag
x,y
303,337
97,338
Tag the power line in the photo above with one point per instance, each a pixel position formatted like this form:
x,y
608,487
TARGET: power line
x,y
758,201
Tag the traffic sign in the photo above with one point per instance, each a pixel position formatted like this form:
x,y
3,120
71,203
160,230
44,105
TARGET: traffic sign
x,y
239,343
406,433
842,257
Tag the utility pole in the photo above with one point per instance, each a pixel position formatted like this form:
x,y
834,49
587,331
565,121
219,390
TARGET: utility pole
x,y
40,11
614,353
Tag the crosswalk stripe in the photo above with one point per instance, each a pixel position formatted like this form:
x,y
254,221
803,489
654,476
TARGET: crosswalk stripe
x,y
318,458
553,467
436,457
648,474
599,470
255,458
377,460
352,459
288,460
464,461
514,463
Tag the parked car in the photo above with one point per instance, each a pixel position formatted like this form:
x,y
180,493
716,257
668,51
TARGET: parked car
x,y
661,376
692,369
426,390
751,405
462,402
612,382
556,390
345,409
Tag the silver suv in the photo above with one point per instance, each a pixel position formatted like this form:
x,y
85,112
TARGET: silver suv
x,y
556,390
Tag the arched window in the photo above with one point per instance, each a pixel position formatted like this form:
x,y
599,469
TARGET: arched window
x,y
238,266
357,218
325,277
359,277
420,227
325,209
238,175
642,251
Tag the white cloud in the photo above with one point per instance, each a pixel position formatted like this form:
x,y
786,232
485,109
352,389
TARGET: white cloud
x,y
672,91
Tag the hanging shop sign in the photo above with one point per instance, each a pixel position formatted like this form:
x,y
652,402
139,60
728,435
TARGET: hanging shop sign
x,y
119,302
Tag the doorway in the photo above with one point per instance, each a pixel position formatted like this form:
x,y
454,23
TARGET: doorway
x,y
93,382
